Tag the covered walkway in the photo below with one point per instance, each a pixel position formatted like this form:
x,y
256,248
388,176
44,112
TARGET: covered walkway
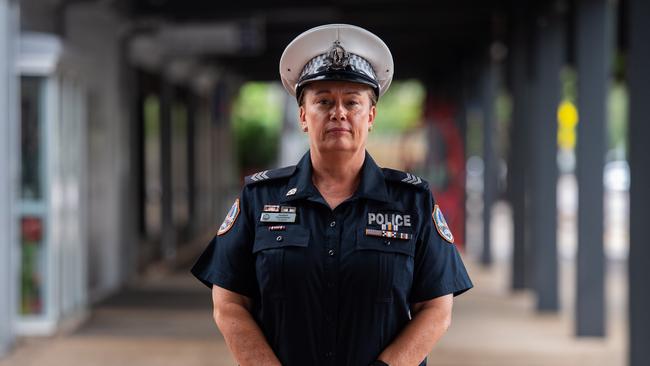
x,y
120,136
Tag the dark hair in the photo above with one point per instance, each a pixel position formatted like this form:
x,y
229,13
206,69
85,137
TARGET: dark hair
x,y
301,96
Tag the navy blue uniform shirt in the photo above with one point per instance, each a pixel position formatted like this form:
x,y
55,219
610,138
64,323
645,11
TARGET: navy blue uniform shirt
x,y
333,287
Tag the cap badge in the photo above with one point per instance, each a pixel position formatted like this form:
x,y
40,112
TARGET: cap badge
x,y
338,57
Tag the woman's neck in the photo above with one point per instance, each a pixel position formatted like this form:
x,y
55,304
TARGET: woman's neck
x,y
336,175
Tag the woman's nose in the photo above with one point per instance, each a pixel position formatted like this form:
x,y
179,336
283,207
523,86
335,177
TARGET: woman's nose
x,y
338,111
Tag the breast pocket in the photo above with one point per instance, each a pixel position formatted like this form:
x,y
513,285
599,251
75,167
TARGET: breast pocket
x,y
274,251
391,264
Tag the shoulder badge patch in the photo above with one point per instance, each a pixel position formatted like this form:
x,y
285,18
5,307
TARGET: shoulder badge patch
x,y
441,225
229,221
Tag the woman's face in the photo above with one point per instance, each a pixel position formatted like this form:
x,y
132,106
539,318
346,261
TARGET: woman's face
x,y
337,115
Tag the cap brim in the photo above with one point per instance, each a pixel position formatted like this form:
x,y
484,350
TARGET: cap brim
x,y
339,76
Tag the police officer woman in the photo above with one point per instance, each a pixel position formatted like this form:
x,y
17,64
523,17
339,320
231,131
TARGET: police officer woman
x,y
334,261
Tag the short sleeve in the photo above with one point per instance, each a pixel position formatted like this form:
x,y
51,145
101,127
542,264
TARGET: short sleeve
x,y
438,269
228,260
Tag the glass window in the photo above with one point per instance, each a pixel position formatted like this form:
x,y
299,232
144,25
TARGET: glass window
x,y
31,143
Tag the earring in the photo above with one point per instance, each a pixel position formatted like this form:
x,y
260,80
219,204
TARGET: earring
x,y
304,128
370,128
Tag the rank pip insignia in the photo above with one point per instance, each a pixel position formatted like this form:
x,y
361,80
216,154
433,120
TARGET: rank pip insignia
x,y
412,179
229,221
441,225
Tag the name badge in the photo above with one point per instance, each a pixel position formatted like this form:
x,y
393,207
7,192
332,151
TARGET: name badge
x,y
278,217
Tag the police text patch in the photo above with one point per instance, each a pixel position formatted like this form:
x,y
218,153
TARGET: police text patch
x,y
441,225
229,221
389,218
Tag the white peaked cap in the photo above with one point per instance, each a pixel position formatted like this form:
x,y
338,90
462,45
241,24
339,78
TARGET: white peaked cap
x,y
312,47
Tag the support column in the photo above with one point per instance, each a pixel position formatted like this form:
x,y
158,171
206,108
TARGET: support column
x,y
639,157
192,105
550,52
168,232
8,165
594,49
489,156
518,145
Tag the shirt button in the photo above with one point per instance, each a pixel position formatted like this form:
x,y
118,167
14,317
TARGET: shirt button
x,y
331,252
329,354
279,238
330,284
333,223
387,242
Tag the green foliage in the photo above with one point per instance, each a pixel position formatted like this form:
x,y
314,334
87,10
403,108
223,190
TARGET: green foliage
x,y
503,109
256,123
475,125
151,117
617,118
400,108
569,80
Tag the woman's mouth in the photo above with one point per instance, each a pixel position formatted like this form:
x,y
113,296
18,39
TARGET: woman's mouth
x,y
337,130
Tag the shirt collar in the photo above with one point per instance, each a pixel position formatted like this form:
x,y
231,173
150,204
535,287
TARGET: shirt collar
x,y
372,185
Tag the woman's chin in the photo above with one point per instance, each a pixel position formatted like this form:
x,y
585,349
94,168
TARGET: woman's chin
x,y
338,145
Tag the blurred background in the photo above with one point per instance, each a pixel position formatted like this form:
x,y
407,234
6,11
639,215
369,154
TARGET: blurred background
x,y
128,125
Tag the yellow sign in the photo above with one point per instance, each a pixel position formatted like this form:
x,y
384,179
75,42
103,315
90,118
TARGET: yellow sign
x,y
567,118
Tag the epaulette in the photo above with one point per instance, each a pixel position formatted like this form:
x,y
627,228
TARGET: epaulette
x,y
268,175
406,178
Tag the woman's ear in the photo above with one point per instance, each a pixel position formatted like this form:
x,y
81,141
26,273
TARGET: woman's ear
x,y
302,119
371,116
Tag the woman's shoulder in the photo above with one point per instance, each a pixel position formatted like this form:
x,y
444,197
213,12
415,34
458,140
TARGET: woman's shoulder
x,y
269,175
405,179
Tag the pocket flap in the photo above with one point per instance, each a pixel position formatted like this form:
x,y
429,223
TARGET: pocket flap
x,y
291,236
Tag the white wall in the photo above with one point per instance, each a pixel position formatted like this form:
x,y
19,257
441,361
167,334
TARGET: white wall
x,y
93,55
93,37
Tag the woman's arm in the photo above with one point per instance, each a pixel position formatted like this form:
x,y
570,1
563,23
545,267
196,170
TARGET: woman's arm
x,y
243,336
430,322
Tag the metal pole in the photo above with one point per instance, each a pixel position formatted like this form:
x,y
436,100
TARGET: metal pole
x,y
594,47
639,134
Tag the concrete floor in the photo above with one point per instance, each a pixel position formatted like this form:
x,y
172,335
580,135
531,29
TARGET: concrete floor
x,y
166,320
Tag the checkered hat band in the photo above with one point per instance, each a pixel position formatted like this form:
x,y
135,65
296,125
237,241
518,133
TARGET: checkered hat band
x,y
321,63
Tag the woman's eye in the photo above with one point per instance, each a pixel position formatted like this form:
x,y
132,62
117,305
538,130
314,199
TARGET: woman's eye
x,y
323,102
